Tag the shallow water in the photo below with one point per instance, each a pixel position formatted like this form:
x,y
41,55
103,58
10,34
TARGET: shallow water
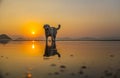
x,y
73,59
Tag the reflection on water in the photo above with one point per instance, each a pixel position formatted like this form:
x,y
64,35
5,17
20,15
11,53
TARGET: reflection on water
x,y
33,45
51,50
4,41
80,59
32,48
29,75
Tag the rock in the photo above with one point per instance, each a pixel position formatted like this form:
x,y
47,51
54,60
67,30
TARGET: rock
x,y
63,66
111,55
62,70
71,55
56,73
81,72
7,74
73,74
53,65
4,39
84,67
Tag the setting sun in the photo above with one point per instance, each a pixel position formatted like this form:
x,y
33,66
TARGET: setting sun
x,y
33,33
32,28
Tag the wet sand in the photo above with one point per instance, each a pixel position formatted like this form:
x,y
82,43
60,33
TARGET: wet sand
x,y
78,60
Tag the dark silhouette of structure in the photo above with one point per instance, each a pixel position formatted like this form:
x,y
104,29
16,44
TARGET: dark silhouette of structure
x,y
51,50
51,32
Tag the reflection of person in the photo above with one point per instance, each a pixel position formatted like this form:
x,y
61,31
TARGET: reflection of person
x,y
50,50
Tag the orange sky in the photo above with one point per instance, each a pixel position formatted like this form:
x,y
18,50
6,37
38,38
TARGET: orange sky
x,y
78,18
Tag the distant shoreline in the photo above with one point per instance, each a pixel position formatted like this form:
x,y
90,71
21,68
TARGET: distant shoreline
x,y
5,38
7,41
67,40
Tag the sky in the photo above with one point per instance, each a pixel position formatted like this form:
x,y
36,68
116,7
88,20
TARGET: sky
x,y
78,18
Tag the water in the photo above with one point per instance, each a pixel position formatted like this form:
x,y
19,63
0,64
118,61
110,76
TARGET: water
x,y
73,59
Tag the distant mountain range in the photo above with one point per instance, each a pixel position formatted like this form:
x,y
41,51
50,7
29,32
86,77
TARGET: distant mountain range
x,y
4,37
90,39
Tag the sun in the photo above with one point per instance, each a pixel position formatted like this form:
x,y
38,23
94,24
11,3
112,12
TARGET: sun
x,y
30,29
33,33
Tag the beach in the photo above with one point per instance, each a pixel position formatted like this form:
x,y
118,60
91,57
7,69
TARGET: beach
x,y
78,59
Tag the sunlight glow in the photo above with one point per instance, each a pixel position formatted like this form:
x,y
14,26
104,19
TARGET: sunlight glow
x,y
33,49
33,46
32,28
33,32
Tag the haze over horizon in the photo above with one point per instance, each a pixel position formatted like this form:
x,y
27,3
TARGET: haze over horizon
x,y
78,18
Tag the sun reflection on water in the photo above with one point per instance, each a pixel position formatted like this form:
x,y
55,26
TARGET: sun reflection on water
x,y
33,48
33,45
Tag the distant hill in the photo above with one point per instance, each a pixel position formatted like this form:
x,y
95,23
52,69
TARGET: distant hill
x,y
89,39
20,39
4,37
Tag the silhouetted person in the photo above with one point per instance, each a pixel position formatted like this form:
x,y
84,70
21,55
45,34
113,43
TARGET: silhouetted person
x,y
50,50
